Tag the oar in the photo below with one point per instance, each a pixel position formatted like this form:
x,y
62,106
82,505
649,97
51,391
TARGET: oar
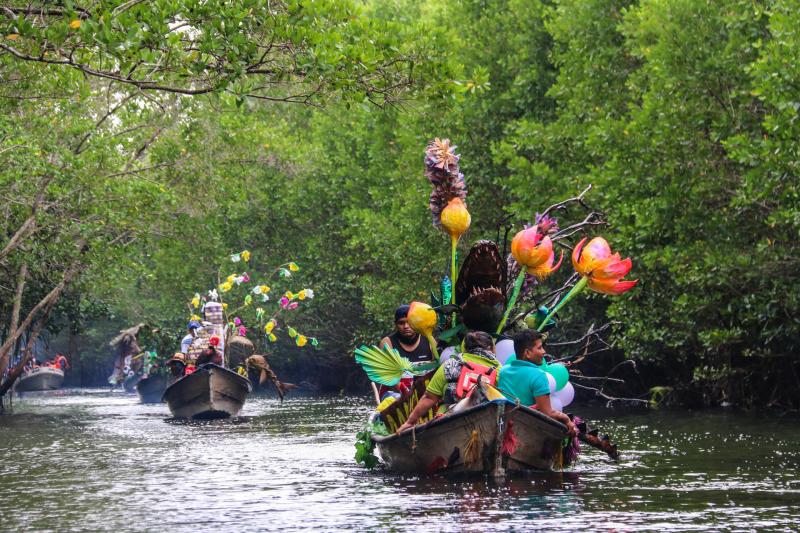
x,y
590,437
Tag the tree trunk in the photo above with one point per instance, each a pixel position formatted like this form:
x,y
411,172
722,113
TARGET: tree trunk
x,y
14,320
46,305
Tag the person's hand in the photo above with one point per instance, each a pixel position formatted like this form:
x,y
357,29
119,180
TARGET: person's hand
x,y
404,427
572,429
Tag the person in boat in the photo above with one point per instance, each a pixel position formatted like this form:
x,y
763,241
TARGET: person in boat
x,y
177,365
409,344
59,362
455,378
209,355
405,340
522,380
187,340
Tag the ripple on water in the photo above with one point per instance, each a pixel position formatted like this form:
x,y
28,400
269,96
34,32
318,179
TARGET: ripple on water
x,y
95,460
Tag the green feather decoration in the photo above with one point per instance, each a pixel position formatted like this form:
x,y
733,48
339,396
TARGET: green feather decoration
x,y
383,365
386,366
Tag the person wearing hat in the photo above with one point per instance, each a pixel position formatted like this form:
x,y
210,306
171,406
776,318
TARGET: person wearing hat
x,y
408,342
186,342
177,365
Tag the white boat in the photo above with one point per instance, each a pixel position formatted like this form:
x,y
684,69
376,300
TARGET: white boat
x,y
41,378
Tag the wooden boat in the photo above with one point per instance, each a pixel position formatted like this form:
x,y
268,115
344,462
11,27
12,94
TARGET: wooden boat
x,y
42,378
130,382
493,437
151,388
209,392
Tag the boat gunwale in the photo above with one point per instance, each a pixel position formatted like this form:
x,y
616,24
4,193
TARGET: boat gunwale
x,y
387,439
207,369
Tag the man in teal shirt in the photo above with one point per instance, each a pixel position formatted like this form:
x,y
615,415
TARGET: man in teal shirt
x,y
522,380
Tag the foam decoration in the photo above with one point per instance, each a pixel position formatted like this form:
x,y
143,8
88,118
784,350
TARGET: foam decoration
x,y
551,382
566,395
447,353
503,350
534,253
560,372
600,270
422,319
246,256
555,403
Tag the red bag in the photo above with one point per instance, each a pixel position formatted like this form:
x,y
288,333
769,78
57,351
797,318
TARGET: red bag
x,y
470,372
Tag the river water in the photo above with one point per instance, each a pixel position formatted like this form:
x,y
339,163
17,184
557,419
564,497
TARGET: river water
x,y
93,460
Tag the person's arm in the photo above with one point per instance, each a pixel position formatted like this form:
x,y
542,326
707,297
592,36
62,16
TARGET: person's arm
x,y
544,407
425,404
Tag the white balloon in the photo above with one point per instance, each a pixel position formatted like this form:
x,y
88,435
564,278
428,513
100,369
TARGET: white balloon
x,y
555,403
566,394
503,350
551,381
447,353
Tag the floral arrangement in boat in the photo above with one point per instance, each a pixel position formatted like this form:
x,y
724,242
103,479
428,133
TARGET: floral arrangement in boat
x,y
257,304
499,291
489,292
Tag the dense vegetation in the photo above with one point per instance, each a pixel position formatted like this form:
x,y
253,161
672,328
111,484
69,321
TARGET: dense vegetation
x,y
146,153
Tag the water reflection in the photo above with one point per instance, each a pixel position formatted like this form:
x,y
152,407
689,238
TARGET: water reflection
x,y
94,460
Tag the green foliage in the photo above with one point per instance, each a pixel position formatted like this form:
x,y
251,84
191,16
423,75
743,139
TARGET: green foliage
x,y
365,446
682,114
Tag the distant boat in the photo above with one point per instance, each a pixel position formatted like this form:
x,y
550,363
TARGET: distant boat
x,y
493,437
151,388
130,382
41,378
209,392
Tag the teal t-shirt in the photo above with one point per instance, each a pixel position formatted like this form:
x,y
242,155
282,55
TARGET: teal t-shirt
x,y
523,381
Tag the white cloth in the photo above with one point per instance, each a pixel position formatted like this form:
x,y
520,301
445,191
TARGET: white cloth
x,y
186,342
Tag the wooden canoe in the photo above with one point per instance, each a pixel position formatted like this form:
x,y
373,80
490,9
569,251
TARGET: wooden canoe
x,y
151,388
492,438
42,378
209,392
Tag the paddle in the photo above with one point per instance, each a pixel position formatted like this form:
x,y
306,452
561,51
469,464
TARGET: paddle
x,y
590,437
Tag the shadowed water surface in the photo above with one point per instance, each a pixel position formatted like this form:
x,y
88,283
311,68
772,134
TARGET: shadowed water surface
x,y
93,460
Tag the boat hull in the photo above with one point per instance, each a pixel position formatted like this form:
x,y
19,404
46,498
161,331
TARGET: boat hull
x,y
42,378
493,438
209,392
151,389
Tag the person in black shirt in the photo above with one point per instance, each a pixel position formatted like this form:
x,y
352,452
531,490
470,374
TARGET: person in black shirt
x,y
408,342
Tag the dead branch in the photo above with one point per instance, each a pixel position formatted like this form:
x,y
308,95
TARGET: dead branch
x,y
610,400
591,332
594,218
563,204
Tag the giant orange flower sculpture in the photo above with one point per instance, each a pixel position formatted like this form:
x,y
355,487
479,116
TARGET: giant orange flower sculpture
x,y
535,252
602,269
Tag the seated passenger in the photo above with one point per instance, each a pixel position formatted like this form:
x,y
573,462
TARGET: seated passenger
x,y
457,376
60,361
522,380
209,355
177,365
409,344
187,340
